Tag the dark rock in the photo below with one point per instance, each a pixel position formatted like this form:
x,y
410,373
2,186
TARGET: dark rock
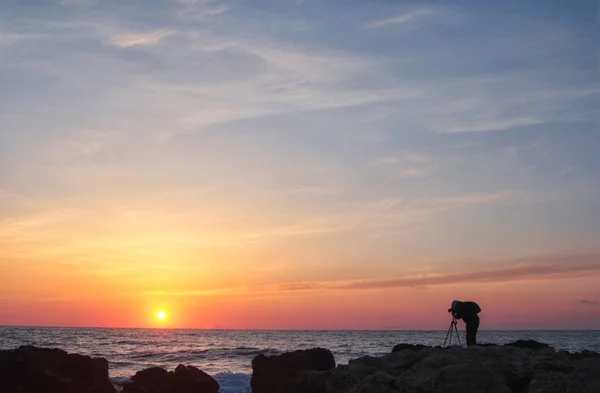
x,y
583,355
402,347
185,379
40,370
188,379
291,372
151,376
529,344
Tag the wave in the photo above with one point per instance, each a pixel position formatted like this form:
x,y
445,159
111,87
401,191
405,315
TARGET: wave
x,y
120,381
202,353
233,382
242,351
118,363
229,382
132,342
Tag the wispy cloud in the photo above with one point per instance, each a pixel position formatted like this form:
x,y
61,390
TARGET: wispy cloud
x,y
9,38
311,191
518,273
535,272
412,172
193,2
589,302
200,13
408,165
588,266
402,18
149,38
77,3
301,286
497,124
200,9
468,199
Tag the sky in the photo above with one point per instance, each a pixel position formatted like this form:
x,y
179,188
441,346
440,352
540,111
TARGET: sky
x,y
342,164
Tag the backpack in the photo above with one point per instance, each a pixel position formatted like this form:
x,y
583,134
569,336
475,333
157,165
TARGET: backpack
x,y
472,307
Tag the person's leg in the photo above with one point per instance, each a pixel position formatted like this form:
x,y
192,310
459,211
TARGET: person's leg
x,y
470,333
472,326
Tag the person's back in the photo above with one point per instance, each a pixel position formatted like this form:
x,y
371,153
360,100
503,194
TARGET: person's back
x,y
468,312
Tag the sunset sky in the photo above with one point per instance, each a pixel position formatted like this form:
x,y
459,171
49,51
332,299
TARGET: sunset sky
x,y
290,164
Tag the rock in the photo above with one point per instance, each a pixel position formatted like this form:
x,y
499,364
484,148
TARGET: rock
x,y
188,379
402,347
583,355
30,369
291,372
185,379
531,344
520,368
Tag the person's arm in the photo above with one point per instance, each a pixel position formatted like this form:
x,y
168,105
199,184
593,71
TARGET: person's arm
x,y
457,312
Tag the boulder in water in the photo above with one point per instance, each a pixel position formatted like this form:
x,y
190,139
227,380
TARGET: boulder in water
x,y
530,344
412,347
291,372
185,379
29,369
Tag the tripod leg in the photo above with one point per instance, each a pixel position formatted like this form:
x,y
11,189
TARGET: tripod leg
x,y
457,335
449,336
446,339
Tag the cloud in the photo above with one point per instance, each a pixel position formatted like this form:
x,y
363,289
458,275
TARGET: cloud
x,y
200,9
192,2
310,191
492,124
589,302
301,286
401,18
585,267
517,273
408,165
471,199
199,13
77,3
412,172
287,79
7,39
150,38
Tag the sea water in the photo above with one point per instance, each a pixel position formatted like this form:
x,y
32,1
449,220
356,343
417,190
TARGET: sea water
x,y
227,354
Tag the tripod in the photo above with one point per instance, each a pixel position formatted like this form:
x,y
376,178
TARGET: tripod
x,y
451,330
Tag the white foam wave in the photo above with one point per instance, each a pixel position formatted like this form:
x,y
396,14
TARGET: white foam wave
x,y
233,382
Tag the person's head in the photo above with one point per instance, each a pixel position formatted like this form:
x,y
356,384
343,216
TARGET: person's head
x,y
455,304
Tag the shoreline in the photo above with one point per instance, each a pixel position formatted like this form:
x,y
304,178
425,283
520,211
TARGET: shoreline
x,y
315,370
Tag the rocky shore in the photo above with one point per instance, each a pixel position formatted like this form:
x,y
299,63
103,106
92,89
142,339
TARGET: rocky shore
x,y
521,367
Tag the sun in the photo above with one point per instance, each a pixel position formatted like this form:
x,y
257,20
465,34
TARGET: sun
x,y
161,315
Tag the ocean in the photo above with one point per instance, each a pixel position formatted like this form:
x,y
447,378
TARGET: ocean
x,y
227,354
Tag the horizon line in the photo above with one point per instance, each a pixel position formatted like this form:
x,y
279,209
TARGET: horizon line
x,y
289,330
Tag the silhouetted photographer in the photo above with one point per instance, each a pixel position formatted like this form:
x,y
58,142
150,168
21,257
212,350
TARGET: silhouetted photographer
x,y
467,311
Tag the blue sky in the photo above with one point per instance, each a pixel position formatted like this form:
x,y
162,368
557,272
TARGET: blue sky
x,y
361,138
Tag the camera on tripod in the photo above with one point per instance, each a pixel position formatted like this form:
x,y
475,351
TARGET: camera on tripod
x,y
451,311
451,331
